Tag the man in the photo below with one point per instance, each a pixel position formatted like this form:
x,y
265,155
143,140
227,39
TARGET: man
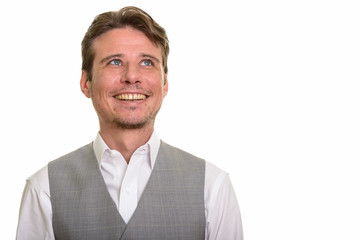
x,y
128,184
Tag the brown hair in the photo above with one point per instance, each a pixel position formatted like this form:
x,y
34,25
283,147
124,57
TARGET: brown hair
x,y
128,16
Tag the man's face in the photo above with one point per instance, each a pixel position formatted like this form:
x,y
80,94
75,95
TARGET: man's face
x,y
127,86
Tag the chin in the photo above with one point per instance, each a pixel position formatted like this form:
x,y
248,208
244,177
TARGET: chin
x,y
123,124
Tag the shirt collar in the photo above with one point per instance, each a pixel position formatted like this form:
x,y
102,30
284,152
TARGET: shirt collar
x,y
100,147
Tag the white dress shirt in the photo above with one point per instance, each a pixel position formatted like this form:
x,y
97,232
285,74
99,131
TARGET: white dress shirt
x,y
126,183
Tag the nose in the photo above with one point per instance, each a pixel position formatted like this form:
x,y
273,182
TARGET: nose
x,y
130,75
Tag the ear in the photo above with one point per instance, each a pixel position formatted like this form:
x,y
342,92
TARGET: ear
x,y
166,85
85,84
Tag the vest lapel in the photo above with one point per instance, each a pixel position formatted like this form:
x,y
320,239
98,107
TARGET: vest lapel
x,y
107,196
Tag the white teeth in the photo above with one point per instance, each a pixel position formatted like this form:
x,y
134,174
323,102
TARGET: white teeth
x,y
130,97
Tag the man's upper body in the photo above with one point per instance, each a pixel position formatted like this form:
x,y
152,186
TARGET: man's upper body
x,y
124,73
222,214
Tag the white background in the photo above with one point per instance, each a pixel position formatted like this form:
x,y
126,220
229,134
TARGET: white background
x,y
266,90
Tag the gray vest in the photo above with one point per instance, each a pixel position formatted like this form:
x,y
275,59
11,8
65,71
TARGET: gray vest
x,y
171,207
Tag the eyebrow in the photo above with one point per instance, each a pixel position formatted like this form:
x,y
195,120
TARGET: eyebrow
x,y
150,56
143,55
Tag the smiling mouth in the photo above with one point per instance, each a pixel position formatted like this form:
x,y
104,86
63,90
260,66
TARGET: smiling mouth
x,y
131,97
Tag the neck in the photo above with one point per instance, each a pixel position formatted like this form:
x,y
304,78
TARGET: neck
x,y
126,141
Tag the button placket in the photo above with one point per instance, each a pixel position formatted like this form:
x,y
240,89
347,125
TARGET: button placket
x,y
128,193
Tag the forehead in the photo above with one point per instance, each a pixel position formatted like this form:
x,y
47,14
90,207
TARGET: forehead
x,y
126,41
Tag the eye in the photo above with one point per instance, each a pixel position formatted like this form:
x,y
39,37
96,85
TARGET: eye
x,y
146,62
115,62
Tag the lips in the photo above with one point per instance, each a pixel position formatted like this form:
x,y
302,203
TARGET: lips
x,y
130,97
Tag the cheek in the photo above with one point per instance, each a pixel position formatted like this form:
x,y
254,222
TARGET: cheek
x,y
106,75
159,90
103,82
99,94
157,82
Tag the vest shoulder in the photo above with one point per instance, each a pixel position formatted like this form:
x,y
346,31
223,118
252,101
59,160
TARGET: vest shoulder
x,y
78,154
178,153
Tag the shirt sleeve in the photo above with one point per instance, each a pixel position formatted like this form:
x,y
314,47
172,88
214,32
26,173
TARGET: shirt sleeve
x,y
35,216
223,219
